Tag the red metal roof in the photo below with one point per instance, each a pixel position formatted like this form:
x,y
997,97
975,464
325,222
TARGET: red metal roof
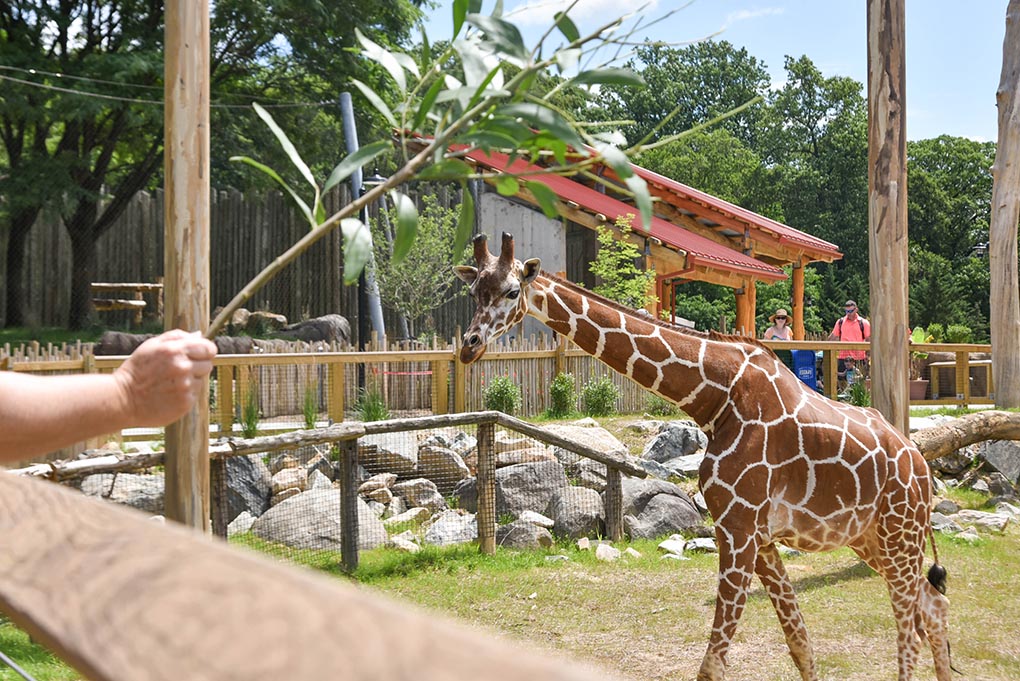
x,y
699,249
785,233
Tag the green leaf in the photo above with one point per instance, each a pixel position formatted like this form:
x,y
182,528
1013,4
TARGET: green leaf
x,y
507,185
460,10
273,174
637,185
287,145
357,248
377,53
376,101
567,59
407,62
426,104
542,117
489,139
616,159
407,225
447,169
546,198
608,76
354,161
567,27
503,35
465,223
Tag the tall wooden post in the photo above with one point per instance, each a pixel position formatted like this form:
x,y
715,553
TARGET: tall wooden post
x,y
1002,232
186,265
797,303
486,487
887,209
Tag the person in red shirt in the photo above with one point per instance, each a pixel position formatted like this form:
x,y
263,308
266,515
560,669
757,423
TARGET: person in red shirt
x,y
851,328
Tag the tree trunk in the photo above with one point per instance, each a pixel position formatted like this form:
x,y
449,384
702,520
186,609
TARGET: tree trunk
x,y
887,209
83,272
948,437
1002,232
17,297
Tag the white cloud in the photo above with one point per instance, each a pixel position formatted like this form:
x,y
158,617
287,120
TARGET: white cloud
x,y
749,14
541,12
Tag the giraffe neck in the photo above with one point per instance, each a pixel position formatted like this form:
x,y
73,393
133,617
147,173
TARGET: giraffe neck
x,y
678,366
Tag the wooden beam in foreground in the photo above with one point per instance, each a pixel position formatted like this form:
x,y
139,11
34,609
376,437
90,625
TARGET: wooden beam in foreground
x,y
125,599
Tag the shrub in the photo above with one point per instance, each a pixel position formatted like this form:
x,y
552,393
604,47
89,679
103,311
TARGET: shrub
x,y
372,405
937,332
957,333
658,406
562,396
503,395
599,396
310,406
858,394
250,412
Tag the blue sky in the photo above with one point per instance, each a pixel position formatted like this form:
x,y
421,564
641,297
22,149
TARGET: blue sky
x,y
954,48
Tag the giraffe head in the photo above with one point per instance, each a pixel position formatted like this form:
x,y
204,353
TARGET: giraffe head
x,y
498,287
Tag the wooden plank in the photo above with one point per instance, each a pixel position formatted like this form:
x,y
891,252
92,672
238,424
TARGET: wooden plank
x,y
486,488
74,572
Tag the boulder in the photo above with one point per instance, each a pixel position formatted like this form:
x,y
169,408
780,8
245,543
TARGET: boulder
x,y
311,520
537,519
521,534
389,453
261,322
528,487
283,495
607,553
530,455
653,508
330,328
421,492
679,447
593,436
452,527
443,466
577,512
466,494
383,480
317,480
288,478
241,524
1003,456
416,516
144,492
249,486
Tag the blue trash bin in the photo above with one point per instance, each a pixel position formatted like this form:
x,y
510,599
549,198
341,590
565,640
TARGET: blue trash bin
x,y
804,367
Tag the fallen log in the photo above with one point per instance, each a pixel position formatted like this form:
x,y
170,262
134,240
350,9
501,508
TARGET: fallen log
x,y
945,438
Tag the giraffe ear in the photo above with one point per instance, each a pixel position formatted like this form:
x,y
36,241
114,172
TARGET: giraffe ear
x,y
531,269
466,273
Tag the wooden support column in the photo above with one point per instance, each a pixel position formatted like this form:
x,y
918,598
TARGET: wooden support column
x,y
887,209
335,382
1002,232
186,264
459,378
744,323
614,504
798,301
486,486
441,387
349,528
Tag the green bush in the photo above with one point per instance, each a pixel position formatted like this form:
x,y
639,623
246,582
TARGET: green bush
x,y
372,405
658,406
250,412
957,333
937,332
310,406
599,396
858,394
503,395
562,396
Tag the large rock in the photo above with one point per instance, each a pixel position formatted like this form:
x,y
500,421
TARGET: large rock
x,y
678,447
144,492
330,328
249,486
654,508
528,487
311,520
593,436
1003,456
577,512
452,527
420,492
442,466
521,534
389,453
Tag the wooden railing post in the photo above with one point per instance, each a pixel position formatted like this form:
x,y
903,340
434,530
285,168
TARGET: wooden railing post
x,y
963,377
225,399
218,496
441,387
486,483
349,504
614,504
831,373
335,383
459,380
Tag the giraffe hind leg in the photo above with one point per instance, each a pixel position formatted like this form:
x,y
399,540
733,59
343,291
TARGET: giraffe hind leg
x,y
932,624
772,573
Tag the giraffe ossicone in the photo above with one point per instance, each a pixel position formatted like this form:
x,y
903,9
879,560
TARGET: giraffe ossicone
x,y
783,463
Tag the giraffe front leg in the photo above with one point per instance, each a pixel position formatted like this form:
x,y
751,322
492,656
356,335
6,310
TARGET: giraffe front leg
x,y
736,567
772,573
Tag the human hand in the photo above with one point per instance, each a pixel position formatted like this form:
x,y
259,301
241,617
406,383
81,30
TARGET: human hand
x,y
161,380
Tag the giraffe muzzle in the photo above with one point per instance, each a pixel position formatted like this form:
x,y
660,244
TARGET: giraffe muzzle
x,y
469,353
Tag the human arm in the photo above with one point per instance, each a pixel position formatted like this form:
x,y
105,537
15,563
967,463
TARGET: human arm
x,y
834,336
770,332
156,385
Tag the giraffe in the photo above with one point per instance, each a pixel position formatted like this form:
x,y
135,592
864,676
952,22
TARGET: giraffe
x,y
783,463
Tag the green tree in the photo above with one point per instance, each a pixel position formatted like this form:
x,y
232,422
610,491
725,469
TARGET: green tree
x,y
424,279
615,266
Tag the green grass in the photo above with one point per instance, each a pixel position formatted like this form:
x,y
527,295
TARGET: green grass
x,y
34,659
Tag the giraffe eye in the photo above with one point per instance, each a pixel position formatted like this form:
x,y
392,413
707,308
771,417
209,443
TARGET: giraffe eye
x,y
513,294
